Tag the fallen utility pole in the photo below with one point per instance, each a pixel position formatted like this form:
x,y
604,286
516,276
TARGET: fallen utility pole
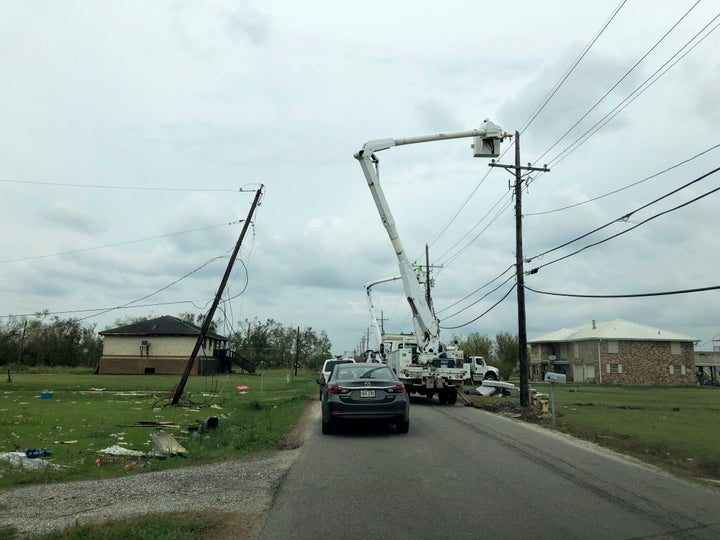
x,y
208,318
520,272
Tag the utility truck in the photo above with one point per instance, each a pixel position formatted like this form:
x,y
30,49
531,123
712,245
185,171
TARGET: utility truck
x,y
477,370
400,351
426,367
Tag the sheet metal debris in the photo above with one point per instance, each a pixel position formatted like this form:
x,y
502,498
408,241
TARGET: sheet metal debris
x,y
167,445
495,388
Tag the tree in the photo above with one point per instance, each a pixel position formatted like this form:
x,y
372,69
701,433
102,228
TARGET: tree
x,y
507,353
56,343
12,334
477,345
277,346
48,341
197,319
91,346
127,321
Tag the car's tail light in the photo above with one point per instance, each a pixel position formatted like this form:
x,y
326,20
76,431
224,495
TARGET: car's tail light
x,y
335,389
397,389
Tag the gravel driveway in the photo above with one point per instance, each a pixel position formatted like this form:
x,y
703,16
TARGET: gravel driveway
x,y
243,489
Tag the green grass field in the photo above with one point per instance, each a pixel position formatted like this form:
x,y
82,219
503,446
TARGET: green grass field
x,y
89,413
672,427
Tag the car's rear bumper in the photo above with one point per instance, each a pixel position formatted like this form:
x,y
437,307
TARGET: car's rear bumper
x,y
344,414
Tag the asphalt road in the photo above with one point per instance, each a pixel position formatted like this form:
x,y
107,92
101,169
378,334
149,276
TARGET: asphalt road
x,y
465,473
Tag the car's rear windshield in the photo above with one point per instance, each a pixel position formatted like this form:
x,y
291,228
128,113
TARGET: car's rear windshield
x,y
380,372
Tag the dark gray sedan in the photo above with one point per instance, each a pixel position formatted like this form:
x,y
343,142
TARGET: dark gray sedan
x,y
364,392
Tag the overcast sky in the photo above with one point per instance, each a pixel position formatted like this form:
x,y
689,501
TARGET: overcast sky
x,y
134,135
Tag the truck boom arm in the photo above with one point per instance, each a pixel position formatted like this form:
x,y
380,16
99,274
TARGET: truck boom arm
x,y
373,316
487,144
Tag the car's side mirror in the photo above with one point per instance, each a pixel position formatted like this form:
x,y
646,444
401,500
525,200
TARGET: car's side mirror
x,y
321,381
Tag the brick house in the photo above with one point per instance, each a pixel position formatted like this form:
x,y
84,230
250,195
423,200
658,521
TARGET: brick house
x,y
162,345
615,352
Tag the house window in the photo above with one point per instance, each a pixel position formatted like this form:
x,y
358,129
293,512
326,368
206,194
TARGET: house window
x,y
677,370
614,368
675,347
612,347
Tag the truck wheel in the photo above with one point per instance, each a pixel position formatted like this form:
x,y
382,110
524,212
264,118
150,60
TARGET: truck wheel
x,y
491,377
452,397
442,397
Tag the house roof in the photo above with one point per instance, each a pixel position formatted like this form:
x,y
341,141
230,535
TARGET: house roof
x,y
618,329
161,326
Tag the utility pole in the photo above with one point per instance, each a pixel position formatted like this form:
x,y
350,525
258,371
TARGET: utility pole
x,y
297,350
382,320
519,269
427,277
211,312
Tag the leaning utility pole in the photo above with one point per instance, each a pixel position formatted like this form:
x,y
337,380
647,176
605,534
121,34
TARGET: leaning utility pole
x,y
216,301
519,269
297,350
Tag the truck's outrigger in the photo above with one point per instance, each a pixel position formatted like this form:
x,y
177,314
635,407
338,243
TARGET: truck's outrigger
x,y
421,373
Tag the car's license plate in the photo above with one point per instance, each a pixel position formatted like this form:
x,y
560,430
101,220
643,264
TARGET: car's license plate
x,y
367,393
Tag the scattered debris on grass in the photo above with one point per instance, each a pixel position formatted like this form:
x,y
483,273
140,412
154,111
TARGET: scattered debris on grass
x,y
21,461
203,425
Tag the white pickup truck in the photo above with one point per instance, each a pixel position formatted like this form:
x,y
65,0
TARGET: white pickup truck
x,y
477,370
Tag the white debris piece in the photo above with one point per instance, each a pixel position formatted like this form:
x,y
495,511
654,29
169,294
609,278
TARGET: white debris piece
x,y
117,450
21,461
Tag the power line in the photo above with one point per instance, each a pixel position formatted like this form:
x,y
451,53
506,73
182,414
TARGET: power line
x,y
527,125
572,68
160,289
105,309
118,243
637,295
478,289
481,298
125,188
629,214
483,313
462,206
477,223
535,270
633,95
625,187
619,81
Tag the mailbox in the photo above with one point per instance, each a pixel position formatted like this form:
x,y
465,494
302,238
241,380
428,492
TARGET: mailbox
x,y
555,377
